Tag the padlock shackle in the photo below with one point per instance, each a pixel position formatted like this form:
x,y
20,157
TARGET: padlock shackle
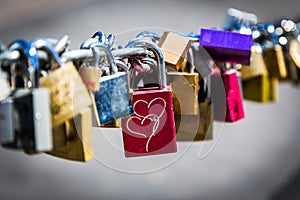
x,y
141,42
44,45
101,37
28,50
62,43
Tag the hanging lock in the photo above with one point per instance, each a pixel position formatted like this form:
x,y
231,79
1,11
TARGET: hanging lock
x,y
225,46
31,119
175,48
151,129
113,100
256,81
64,83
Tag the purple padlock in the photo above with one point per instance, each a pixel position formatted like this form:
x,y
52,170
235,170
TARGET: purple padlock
x,y
226,46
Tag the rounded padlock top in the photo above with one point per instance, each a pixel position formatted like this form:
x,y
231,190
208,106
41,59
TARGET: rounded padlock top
x,y
27,50
141,42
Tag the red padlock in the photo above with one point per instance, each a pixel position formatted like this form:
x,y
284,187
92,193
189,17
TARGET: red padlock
x,y
235,110
151,129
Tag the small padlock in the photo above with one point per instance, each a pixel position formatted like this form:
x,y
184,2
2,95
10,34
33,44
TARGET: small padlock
x,y
256,81
175,48
274,60
225,46
113,100
68,94
31,107
293,59
185,88
235,110
151,129
73,140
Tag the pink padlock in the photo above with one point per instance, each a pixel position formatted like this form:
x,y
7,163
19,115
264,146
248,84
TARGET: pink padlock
x,y
151,129
235,110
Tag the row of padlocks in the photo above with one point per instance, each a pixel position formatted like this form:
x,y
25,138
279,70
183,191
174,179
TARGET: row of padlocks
x,y
158,88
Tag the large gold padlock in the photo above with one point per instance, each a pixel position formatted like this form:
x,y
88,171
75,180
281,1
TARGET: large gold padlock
x,y
73,140
274,60
174,48
256,84
185,90
68,94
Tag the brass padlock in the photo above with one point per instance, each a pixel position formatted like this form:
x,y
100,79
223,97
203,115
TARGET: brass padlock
x,y
73,140
274,60
256,84
198,127
185,90
175,48
293,60
68,94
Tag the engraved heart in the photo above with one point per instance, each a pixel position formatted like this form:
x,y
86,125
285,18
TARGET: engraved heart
x,y
147,119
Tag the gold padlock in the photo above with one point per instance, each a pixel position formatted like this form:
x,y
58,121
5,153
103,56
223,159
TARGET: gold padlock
x,y
293,60
196,128
274,60
68,94
185,90
256,83
73,140
174,48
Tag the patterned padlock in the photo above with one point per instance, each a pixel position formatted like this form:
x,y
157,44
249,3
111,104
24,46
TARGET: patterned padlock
x,y
151,129
68,94
225,46
113,100
29,108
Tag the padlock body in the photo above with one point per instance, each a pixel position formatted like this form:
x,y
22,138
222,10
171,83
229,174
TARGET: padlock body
x,y
74,142
196,128
174,48
235,110
185,90
33,127
151,129
68,94
113,100
226,46
6,121
274,60
257,89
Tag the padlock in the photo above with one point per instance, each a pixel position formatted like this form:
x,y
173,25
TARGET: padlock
x,y
31,107
151,129
72,127
256,81
113,100
274,60
225,46
294,60
73,140
185,88
199,127
90,74
175,48
68,94
235,110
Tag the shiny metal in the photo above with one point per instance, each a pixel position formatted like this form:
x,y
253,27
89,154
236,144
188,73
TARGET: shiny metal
x,y
62,43
140,42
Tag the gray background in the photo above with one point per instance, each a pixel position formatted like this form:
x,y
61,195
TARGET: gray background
x,y
252,159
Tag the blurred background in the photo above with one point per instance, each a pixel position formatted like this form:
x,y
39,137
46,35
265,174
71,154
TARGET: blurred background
x,y
256,158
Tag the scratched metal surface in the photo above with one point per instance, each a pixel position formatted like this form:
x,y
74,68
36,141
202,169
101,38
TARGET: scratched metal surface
x,y
251,159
